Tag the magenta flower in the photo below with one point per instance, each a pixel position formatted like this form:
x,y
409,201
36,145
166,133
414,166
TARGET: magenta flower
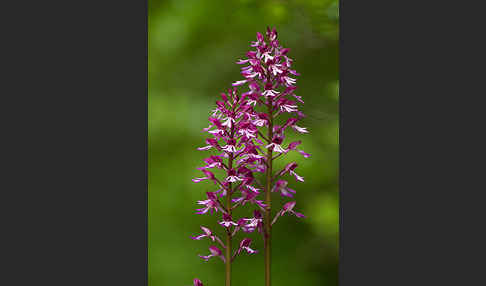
x,y
227,221
249,196
245,245
281,186
209,176
293,146
214,252
208,233
212,162
212,143
232,177
197,282
287,208
289,168
210,204
254,223
275,145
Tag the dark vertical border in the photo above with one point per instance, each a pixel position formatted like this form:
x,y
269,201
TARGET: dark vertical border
x,y
410,198
75,183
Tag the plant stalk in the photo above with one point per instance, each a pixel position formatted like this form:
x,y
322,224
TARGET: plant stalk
x,y
228,208
268,201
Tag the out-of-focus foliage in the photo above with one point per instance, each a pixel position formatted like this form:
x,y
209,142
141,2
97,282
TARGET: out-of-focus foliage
x,y
193,46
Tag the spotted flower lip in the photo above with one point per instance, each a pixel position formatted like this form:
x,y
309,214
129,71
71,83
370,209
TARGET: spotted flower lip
x,y
197,282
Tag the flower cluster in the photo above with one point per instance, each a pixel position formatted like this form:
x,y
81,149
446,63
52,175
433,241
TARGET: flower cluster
x,y
234,138
270,78
240,150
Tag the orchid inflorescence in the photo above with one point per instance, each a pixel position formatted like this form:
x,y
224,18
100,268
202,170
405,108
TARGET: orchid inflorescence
x,y
237,128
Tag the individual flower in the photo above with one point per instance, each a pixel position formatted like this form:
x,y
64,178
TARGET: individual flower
x,y
293,146
210,204
209,176
275,145
212,143
197,282
254,223
214,251
287,208
230,147
208,233
212,162
281,186
227,221
232,177
245,245
289,168
249,196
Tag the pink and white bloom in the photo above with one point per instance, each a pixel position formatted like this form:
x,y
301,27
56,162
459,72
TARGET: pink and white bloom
x,y
289,168
245,245
287,208
227,221
211,204
214,252
281,186
208,233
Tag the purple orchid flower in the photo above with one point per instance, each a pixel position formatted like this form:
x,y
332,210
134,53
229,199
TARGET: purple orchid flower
x,y
245,245
289,168
208,233
249,196
210,204
197,282
287,208
209,176
214,251
281,186
227,221
254,223
293,146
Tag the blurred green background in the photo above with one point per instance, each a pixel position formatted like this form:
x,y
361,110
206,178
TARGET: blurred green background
x,y
193,46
